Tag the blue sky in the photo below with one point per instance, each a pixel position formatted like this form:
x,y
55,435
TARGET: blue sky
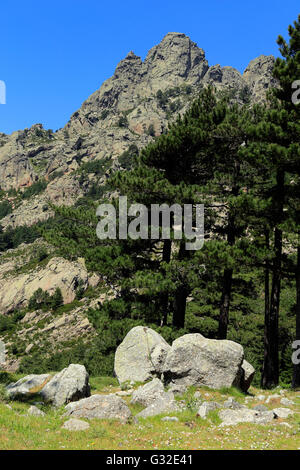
x,y
54,54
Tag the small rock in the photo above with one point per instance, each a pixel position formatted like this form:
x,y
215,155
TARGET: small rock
x,y
34,411
206,407
123,393
286,402
233,417
260,397
170,418
148,393
233,404
287,425
272,397
177,389
75,425
260,408
163,404
283,412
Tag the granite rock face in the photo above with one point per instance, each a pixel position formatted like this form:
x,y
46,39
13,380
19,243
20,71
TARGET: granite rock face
x,y
16,291
71,384
140,356
198,361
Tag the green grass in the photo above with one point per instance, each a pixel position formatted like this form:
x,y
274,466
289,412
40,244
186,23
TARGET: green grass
x,y
232,391
20,431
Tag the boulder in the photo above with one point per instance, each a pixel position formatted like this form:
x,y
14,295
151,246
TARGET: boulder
x,y
162,404
177,389
247,375
76,425
233,417
71,384
27,387
198,361
148,393
140,356
100,407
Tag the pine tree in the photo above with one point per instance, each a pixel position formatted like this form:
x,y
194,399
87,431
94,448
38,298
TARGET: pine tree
x,y
287,71
273,149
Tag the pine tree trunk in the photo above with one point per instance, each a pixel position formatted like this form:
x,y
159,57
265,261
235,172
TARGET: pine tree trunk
x,y
181,294
228,273
296,370
164,301
179,307
225,304
272,365
270,375
267,312
227,286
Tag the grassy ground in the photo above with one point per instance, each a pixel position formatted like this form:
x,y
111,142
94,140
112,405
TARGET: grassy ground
x,y
19,431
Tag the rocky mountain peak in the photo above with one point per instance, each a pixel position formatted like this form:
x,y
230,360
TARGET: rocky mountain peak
x,y
174,59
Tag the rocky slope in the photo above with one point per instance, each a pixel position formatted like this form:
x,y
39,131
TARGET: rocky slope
x,y
128,110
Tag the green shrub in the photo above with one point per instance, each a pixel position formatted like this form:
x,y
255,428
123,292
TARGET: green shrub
x,y
5,208
36,188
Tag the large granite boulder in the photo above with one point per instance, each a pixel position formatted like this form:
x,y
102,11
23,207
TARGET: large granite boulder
x,y
198,361
71,384
27,387
140,356
100,407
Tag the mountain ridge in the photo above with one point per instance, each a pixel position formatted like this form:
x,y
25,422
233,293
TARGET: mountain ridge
x,y
129,109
